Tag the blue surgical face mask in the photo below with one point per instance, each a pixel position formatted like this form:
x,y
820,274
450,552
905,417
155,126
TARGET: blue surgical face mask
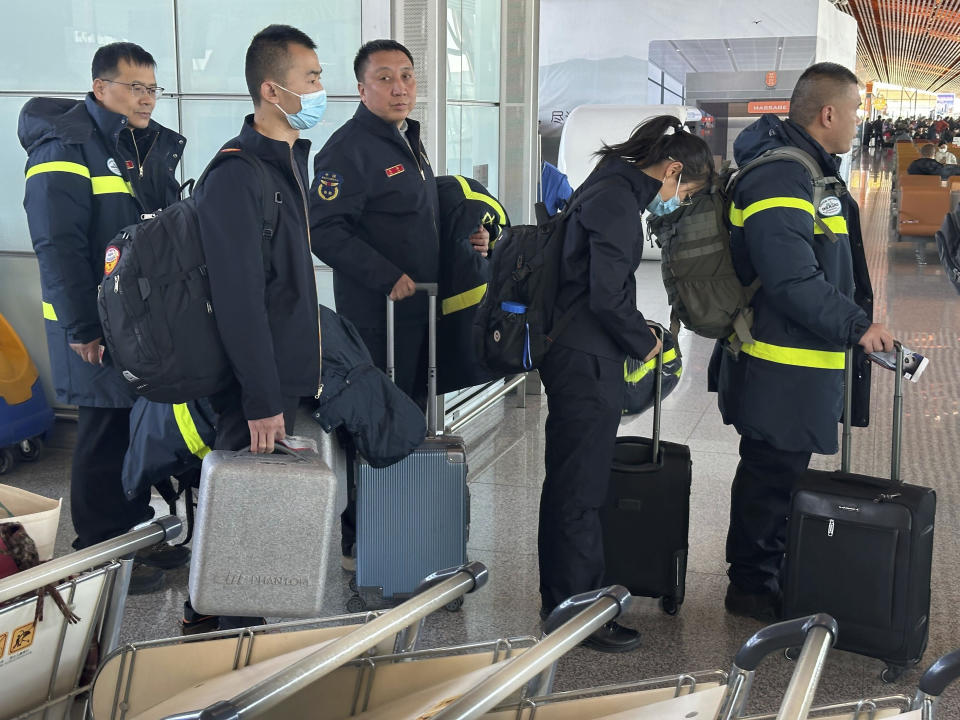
x,y
665,207
312,107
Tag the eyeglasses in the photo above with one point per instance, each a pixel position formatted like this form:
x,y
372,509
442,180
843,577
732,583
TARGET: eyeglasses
x,y
139,89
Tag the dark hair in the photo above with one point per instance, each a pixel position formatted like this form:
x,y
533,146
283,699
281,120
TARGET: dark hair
x,y
649,144
818,86
363,54
107,59
928,150
268,55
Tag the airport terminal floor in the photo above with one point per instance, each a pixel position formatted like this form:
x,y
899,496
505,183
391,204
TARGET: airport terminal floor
x,y
505,455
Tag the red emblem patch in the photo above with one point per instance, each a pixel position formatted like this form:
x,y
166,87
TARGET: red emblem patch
x,y
395,170
129,164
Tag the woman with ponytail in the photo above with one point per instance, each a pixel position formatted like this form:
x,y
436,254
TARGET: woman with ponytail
x,y
656,169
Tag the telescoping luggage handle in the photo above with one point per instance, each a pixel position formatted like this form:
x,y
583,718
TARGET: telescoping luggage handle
x,y
896,441
658,394
431,289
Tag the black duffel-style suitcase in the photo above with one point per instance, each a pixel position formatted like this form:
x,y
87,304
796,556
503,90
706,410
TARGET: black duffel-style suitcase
x,y
647,514
861,548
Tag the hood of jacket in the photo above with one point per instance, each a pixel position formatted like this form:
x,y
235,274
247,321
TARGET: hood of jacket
x,y
771,132
45,118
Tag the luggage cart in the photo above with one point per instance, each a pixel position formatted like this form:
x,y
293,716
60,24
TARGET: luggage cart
x,y
575,619
42,663
270,685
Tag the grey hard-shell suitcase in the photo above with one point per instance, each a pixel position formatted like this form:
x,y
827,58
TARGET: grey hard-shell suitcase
x,y
413,517
264,526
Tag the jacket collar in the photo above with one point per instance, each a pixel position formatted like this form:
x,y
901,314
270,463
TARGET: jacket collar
x,y
277,151
644,187
796,135
111,124
385,129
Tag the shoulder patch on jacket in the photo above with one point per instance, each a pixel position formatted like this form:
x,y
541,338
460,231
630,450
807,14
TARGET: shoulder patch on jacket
x,y
328,185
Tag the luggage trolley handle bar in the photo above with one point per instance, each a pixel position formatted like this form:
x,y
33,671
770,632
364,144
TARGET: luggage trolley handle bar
x,y
435,592
432,289
896,441
143,536
816,633
934,681
570,623
657,395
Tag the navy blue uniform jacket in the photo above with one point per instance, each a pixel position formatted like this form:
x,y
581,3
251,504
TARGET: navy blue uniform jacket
x,y
79,193
814,300
373,215
601,253
267,317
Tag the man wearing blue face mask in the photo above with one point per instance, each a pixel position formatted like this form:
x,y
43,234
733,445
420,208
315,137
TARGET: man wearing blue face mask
x,y
264,294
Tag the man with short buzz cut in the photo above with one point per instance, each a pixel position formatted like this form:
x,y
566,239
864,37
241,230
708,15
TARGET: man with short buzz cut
x,y
264,295
784,391
95,166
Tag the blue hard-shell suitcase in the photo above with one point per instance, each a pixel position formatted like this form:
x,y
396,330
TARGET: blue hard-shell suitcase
x,y
413,517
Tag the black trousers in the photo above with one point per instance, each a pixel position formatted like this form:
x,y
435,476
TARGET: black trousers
x,y
584,399
98,506
411,377
759,506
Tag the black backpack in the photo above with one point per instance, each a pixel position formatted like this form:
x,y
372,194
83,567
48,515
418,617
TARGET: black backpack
x,y
948,247
515,325
155,305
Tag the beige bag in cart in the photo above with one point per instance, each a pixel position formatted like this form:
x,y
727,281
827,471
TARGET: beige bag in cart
x,y
39,515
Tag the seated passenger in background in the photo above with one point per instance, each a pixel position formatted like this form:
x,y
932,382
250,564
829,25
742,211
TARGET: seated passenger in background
x,y
944,156
925,164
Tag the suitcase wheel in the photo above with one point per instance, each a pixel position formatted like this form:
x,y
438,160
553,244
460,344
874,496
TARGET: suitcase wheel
x,y
892,673
7,460
669,605
30,448
454,605
356,604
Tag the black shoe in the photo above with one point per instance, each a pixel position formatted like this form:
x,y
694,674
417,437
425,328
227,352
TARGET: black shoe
x,y
164,556
144,580
759,606
194,623
235,622
613,638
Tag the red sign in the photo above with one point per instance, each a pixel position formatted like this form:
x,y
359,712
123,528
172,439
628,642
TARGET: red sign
x,y
777,107
771,79
395,170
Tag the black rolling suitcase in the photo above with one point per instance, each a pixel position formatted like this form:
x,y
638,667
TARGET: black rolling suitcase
x,y
647,514
860,548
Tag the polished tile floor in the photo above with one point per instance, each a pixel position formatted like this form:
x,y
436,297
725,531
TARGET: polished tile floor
x,y
506,467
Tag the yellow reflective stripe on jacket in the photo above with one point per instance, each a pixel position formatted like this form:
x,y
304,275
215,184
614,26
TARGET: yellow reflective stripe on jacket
x,y
799,357
58,166
738,217
636,375
101,184
470,194
106,184
837,223
188,429
48,312
463,300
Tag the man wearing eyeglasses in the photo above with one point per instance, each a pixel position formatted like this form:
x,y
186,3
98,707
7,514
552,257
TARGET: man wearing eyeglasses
x,y
95,166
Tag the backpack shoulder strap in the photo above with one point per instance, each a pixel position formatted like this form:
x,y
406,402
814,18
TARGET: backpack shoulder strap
x,y
794,154
270,199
